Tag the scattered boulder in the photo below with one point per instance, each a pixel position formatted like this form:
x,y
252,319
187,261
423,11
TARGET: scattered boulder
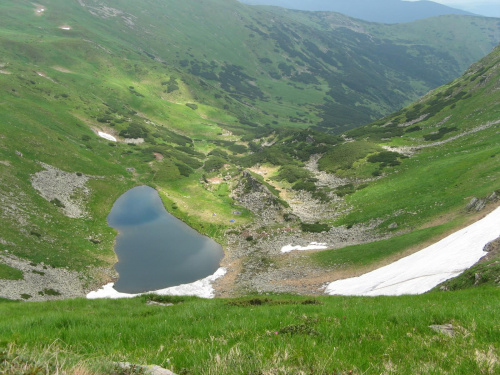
x,y
446,329
476,204
148,370
492,246
154,303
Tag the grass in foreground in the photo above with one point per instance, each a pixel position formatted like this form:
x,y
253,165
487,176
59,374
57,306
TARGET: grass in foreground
x,y
268,334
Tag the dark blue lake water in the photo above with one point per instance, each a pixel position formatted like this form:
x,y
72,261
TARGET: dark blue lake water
x,y
156,250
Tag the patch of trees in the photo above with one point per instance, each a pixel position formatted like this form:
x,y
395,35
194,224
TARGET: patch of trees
x,y
203,70
171,85
190,151
170,136
292,173
315,228
135,130
305,78
213,163
412,129
286,69
231,146
233,80
345,155
385,158
440,134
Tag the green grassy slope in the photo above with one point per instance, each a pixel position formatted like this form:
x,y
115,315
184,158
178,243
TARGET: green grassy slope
x,y
452,137
58,86
415,169
123,71
335,69
257,335
456,150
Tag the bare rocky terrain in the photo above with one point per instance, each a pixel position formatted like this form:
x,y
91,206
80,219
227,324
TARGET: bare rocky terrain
x,y
259,265
41,282
65,189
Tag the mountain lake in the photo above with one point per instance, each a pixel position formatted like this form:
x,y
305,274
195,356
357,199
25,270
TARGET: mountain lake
x,y
156,250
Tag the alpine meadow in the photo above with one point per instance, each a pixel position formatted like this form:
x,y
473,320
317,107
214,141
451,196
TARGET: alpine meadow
x,y
313,147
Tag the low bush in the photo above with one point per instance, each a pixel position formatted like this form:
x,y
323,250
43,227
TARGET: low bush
x,y
314,228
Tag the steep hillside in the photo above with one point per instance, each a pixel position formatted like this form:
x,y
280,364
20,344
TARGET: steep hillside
x,y
397,184
272,67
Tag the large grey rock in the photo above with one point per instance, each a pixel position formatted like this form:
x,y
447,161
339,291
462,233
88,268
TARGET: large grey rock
x,y
476,204
149,369
446,329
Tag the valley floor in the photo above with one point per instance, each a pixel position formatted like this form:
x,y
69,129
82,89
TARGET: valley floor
x,y
262,268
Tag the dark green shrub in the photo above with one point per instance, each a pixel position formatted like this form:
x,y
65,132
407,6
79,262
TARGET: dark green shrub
x,y
292,173
57,202
184,170
214,163
415,128
305,185
135,130
345,189
440,134
385,157
314,228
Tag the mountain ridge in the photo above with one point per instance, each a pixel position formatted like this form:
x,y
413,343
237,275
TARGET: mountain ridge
x,y
277,77
383,11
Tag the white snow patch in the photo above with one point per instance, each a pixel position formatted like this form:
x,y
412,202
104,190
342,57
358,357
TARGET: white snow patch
x,y
422,271
65,27
107,136
201,288
311,246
